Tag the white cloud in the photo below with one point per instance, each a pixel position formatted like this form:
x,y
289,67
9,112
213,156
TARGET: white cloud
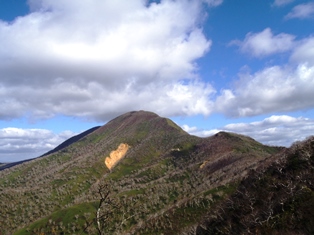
x,y
275,130
304,53
88,58
199,132
213,2
273,89
189,129
265,43
279,3
302,11
18,144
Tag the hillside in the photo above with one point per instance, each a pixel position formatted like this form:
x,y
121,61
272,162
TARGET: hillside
x,y
58,148
277,199
165,183
71,140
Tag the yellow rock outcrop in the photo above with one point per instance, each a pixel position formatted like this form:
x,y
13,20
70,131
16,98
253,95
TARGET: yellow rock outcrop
x,y
116,155
203,165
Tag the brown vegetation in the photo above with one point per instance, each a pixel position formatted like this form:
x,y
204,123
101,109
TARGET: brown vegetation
x,y
158,181
278,198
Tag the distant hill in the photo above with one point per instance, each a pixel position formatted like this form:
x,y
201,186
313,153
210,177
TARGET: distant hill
x,y
163,180
11,164
58,148
71,140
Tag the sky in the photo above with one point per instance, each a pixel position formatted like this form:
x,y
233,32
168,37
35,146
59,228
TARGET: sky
x,y
244,66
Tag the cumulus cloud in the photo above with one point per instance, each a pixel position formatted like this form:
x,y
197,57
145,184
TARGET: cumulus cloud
x,y
97,59
18,144
193,130
276,130
265,43
273,89
304,52
302,11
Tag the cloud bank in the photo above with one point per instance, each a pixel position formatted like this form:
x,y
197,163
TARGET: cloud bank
x,y
96,59
278,88
18,144
276,130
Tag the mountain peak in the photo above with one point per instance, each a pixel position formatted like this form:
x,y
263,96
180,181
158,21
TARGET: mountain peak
x,y
135,122
140,115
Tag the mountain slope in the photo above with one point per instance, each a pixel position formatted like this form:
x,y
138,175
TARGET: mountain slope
x,y
71,140
164,173
276,199
58,148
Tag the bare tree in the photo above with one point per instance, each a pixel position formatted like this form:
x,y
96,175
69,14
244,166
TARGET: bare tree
x,y
104,211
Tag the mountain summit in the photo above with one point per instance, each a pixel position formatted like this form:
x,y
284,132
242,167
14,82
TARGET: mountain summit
x,y
160,179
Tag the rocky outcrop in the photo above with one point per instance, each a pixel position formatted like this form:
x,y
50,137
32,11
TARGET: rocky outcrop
x,y
203,165
116,155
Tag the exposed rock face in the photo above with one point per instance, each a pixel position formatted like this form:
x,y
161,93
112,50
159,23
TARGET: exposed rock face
x,y
116,155
203,165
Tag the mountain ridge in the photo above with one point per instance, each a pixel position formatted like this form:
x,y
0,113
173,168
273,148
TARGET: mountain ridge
x,y
61,146
164,172
71,140
277,198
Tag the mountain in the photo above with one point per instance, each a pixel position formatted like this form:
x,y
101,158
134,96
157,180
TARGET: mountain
x,y
58,148
141,172
71,140
11,164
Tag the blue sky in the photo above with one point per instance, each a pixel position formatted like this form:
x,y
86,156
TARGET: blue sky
x,y
210,65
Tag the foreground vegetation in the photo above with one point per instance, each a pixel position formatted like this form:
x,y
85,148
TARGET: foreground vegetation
x,y
277,199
